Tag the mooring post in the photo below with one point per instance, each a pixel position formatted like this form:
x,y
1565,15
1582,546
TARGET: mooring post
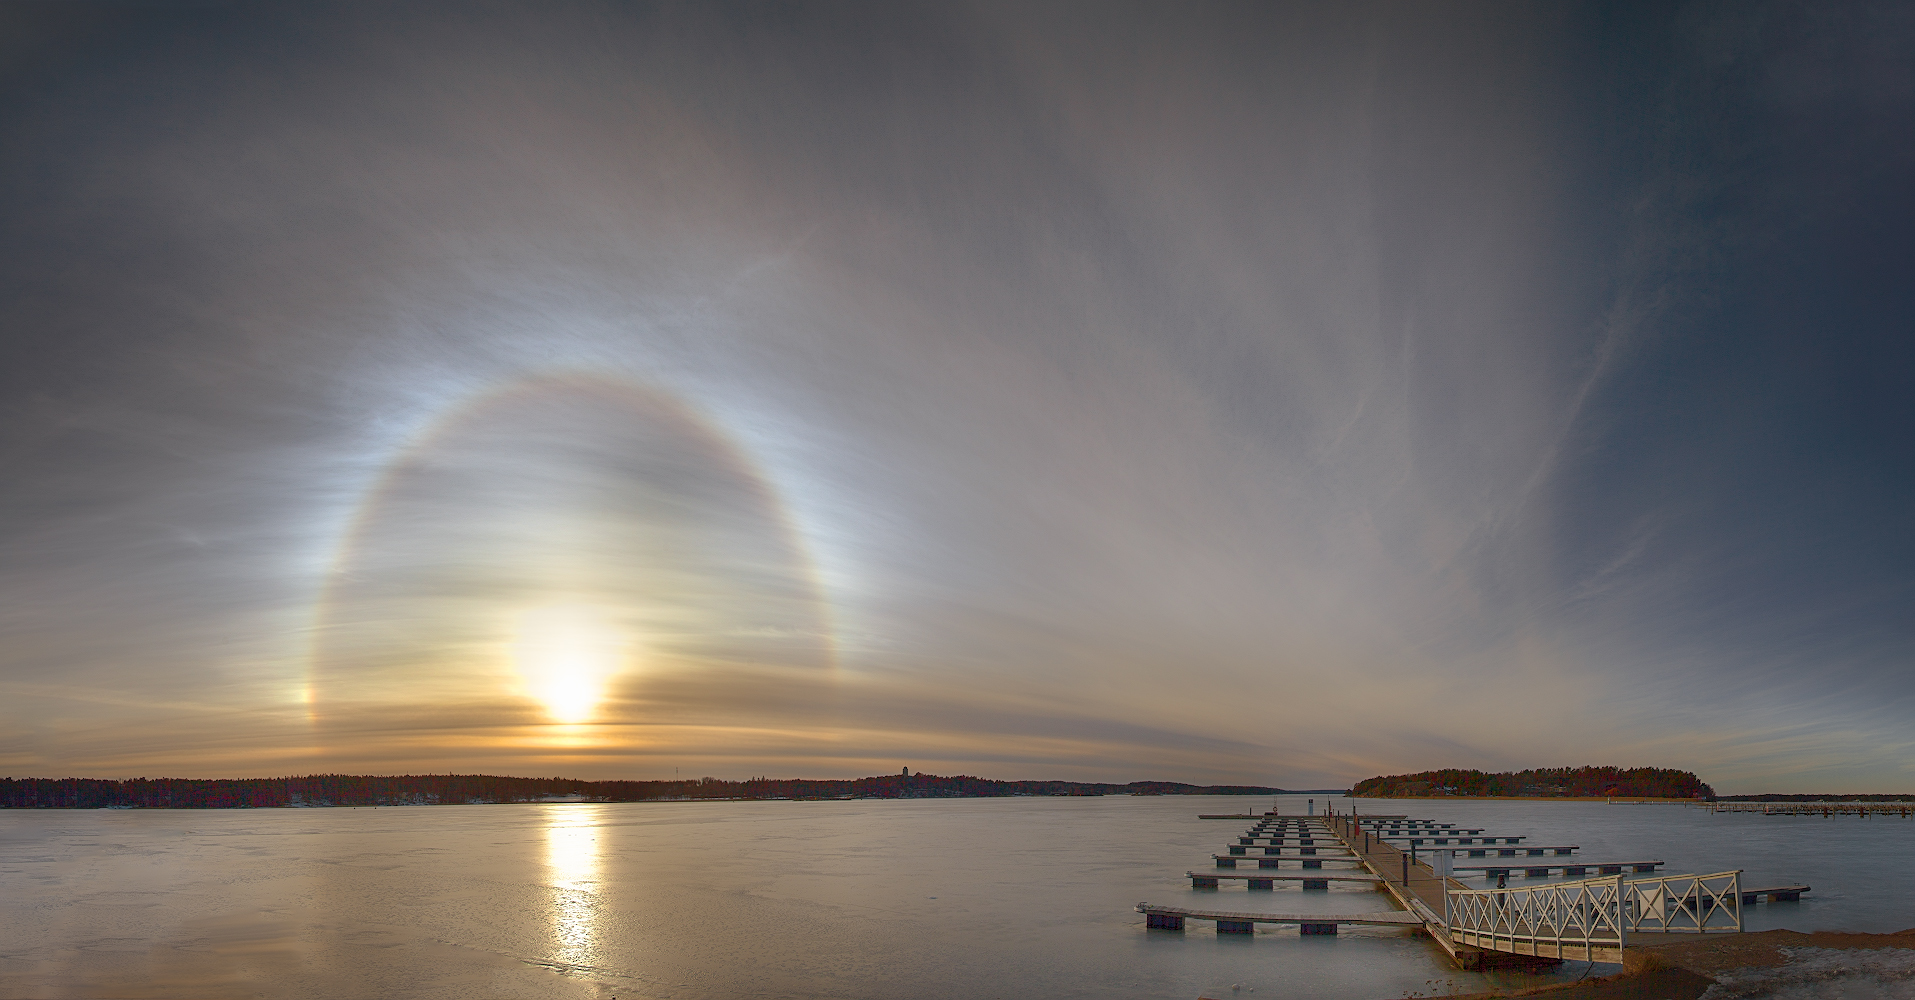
x,y
1406,868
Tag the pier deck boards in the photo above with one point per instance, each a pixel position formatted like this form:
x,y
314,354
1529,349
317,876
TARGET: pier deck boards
x,y
1423,890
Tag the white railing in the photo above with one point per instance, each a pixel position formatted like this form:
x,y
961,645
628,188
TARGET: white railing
x,y
1592,919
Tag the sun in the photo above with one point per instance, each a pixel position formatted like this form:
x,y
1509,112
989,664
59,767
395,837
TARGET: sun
x,y
565,655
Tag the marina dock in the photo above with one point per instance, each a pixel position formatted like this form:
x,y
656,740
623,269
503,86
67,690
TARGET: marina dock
x,y
1268,880
1826,810
1583,917
1777,893
1228,922
1576,870
1270,861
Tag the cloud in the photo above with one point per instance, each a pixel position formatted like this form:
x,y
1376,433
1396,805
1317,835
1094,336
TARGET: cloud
x,y
1274,394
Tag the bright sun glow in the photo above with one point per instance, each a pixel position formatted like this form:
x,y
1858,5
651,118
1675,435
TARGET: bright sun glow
x,y
565,654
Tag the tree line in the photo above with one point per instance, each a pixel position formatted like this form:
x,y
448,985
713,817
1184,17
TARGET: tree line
x,y
1587,782
451,789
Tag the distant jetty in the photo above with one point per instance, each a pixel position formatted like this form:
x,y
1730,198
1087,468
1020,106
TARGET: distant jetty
x,y
463,789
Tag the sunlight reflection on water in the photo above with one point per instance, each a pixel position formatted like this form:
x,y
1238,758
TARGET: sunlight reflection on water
x,y
572,865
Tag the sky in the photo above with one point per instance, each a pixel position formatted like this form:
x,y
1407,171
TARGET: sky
x,y
1259,393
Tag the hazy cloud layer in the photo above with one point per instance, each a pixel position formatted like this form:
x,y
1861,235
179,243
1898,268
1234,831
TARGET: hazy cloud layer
x,y
1242,393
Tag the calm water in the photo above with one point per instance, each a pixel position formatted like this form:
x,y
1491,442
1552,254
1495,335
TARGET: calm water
x,y
968,898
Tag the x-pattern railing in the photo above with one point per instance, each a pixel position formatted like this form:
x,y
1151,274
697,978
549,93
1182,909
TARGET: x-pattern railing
x,y
1589,916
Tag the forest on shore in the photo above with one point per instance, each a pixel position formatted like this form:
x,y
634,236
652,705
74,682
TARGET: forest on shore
x,y
1542,782
461,789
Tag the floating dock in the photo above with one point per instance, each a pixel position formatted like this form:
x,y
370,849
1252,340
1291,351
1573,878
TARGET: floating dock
x,y
1172,918
1826,810
1585,918
1573,870
1776,893
1270,861
1268,880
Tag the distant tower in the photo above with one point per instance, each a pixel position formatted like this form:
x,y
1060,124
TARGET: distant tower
x,y
907,772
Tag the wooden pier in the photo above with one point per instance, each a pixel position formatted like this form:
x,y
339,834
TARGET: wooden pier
x,y
1497,852
1826,810
1268,879
1270,861
1228,922
1448,838
1776,893
1572,870
1330,848
1583,918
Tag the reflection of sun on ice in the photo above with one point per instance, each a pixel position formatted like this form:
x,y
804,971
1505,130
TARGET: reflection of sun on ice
x,y
565,654
572,858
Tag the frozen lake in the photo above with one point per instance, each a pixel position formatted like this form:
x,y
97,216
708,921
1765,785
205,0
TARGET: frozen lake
x,y
967,898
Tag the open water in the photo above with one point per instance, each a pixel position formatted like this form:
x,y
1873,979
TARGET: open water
x,y
962,898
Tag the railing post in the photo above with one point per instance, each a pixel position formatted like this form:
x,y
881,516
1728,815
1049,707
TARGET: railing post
x,y
1622,919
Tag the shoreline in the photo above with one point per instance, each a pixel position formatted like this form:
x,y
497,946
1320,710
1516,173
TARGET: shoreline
x,y
1685,969
1642,800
